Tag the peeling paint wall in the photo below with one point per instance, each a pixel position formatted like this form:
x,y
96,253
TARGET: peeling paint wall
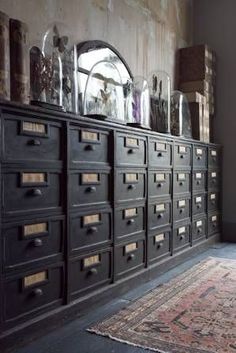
x,y
146,32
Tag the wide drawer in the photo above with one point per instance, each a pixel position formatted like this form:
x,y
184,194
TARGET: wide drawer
x,y
213,223
160,153
199,229
213,201
159,214
130,150
199,180
199,156
26,242
214,157
130,185
182,155
129,220
182,182
31,139
90,229
181,209
181,236
159,183
213,179
199,203
158,245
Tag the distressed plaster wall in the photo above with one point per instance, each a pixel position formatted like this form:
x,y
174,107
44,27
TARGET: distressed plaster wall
x,y
146,32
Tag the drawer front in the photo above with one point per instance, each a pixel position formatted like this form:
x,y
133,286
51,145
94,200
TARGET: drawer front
x,y
213,201
89,272
160,153
181,236
90,229
129,257
89,188
32,292
181,209
213,179
129,220
182,155
213,223
159,184
199,181
199,156
88,145
130,150
31,140
31,191
26,242
214,157
159,214
199,229
158,245
130,185
181,182
199,204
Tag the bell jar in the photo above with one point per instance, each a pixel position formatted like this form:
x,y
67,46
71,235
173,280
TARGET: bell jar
x,y
180,115
53,70
104,94
160,86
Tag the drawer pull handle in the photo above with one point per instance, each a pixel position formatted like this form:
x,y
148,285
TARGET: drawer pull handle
x,y
34,142
130,221
37,242
181,210
198,182
182,156
199,230
213,202
36,192
131,257
182,237
199,158
91,189
213,181
93,271
131,151
37,292
92,230
131,187
181,183
160,215
160,154
159,185
199,206
214,225
159,246
89,148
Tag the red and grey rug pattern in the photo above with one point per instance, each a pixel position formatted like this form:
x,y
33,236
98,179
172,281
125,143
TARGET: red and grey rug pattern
x,y
193,313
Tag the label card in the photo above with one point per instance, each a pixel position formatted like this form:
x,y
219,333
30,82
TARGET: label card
x,y
91,261
213,196
160,177
198,175
36,228
35,279
131,247
160,146
90,178
89,136
160,208
181,176
130,212
213,174
181,230
198,224
198,199
159,237
213,153
131,142
33,178
91,219
199,152
131,178
34,127
182,149
182,203
214,218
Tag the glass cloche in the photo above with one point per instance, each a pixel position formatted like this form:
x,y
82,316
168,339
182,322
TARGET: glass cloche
x,y
53,70
180,115
160,86
104,95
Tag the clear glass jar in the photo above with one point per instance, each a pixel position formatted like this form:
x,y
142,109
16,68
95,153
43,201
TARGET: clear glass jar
x,y
180,115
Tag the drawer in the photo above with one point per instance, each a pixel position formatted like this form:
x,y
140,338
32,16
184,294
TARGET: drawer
x,y
199,204
199,229
129,220
158,245
159,183
182,182
181,209
130,150
30,191
213,223
199,180
181,236
28,241
129,257
213,179
214,157
160,153
213,201
159,214
130,185
182,155
89,187
88,145
31,139
33,292
90,271
199,157
90,229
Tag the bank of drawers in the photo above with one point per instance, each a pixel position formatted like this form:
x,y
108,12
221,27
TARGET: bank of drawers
x,y
159,244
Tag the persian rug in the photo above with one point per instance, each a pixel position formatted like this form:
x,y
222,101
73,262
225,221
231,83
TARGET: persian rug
x,y
193,313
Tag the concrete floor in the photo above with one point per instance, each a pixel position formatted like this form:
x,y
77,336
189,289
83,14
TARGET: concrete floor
x,y
73,338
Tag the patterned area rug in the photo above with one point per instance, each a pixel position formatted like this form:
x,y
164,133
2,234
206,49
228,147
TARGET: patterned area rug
x,y
193,313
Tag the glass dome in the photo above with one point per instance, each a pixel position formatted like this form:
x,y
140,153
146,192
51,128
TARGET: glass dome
x,y
104,94
180,115
160,86
53,71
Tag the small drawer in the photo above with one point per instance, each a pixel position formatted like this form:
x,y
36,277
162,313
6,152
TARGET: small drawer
x,y
30,191
159,183
130,150
87,145
181,182
89,272
159,214
182,155
199,180
214,157
25,242
31,139
160,153
129,220
181,236
33,292
213,201
158,245
213,223
130,185
181,209
89,187
90,229
199,157
199,204
213,179
199,229
129,257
